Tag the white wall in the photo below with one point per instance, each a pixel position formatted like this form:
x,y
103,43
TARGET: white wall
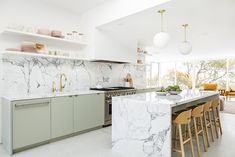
x,y
108,12
33,13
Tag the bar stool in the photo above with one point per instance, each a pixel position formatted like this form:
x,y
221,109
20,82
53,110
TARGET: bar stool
x,y
207,121
197,116
184,118
216,117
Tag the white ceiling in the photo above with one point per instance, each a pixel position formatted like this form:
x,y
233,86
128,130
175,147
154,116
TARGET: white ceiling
x,y
211,31
76,6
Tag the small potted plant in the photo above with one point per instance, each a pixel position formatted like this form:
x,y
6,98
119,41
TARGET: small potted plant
x,y
174,90
162,92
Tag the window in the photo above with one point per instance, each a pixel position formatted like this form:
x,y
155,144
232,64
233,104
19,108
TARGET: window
x,y
231,72
167,73
213,71
152,73
184,74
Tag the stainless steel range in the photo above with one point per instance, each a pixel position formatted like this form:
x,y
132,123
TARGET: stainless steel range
x,y
112,92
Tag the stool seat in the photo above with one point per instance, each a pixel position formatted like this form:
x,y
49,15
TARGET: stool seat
x,y
197,116
182,119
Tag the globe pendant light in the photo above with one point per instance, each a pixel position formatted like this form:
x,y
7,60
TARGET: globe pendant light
x,y
161,39
185,47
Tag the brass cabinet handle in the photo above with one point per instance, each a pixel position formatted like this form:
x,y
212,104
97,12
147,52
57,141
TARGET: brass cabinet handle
x,y
32,104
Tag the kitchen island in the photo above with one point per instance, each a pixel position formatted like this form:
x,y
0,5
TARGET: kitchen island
x,y
141,124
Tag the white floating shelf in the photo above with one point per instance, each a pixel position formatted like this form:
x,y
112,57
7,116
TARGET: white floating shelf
x,y
29,54
11,32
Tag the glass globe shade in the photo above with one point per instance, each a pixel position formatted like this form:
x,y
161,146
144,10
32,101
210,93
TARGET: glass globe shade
x,y
185,48
161,40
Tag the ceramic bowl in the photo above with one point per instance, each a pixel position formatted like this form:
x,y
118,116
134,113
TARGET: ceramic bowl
x,y
175,92
162,93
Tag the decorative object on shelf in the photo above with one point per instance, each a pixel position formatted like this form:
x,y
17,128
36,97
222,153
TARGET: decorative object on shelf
x,y
185,47
57,34
27,46
128,80
46,32
139,61
80,36
40,47
161,39
174,90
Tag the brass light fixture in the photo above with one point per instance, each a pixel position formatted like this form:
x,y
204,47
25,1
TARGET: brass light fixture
x,y
161,39
185,47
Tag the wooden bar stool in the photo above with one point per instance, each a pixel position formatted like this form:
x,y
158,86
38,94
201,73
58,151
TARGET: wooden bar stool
x,y
182,119
207,121
216,117
197,116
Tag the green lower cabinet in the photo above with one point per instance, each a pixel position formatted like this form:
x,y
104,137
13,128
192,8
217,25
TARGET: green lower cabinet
x,y
31,122
61,116
88,111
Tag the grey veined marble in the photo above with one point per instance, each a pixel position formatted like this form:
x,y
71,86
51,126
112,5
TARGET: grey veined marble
x,y
141,128
34,75
141,123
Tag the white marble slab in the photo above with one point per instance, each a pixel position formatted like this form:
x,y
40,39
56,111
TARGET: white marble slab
x,y
34,75
141,128
141,123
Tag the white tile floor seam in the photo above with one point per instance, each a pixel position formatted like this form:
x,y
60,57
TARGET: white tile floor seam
x,y
98,144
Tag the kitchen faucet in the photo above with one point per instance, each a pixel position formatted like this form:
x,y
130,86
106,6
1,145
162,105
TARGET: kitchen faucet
x,y
61,81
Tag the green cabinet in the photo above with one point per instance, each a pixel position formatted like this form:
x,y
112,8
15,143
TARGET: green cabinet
x,y
88,111
61,116
31,122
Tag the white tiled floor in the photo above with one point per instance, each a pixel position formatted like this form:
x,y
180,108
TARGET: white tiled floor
x,y
98,144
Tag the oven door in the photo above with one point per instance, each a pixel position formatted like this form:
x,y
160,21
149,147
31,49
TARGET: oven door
x,y
108,112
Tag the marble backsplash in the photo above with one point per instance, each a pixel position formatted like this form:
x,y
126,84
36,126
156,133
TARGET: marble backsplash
x,y
34,75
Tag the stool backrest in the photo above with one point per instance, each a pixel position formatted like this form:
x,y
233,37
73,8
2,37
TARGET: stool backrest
x,y
198,111
215,103
183,117
207,106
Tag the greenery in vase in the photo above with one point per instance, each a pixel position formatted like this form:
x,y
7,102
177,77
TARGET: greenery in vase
x,y
162,90
173,88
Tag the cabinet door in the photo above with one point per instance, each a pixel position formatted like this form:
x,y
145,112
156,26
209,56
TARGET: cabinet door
x,y
61,116
31,122
88,111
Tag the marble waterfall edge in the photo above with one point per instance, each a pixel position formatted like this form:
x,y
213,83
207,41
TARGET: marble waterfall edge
x,y
141,128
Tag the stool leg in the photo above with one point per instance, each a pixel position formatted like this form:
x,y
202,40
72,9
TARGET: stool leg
x,y
181,141
206,129
215,125
219,121
191,140
203,135
212,132
196,136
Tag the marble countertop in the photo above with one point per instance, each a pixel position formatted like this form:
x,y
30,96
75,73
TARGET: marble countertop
x,y
173,100
49,95
56,94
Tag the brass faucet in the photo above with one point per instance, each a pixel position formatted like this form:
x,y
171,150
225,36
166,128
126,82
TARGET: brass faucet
x,y
61,81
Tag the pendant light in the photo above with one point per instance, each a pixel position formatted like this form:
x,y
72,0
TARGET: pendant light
x,y
185,47
161,39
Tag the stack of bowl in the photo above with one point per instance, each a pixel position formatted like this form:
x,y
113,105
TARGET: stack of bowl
x,y
28,47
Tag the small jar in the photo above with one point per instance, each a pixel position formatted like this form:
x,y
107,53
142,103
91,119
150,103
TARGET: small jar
x,y
74,35
80,37
69,36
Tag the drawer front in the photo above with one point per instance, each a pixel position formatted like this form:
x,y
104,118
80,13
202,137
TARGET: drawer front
x,y
31,122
